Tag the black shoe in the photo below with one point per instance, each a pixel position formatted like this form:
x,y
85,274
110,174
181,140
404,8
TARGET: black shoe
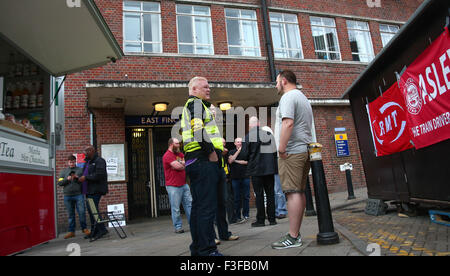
x,y
281,216
258,224
273,223
98,236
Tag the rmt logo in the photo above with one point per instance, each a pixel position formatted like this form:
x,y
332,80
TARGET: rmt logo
x,y
374,3
73,3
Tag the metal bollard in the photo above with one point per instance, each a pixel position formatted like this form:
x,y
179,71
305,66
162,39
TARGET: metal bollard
x,y
326,235
310,212
347,167
348,176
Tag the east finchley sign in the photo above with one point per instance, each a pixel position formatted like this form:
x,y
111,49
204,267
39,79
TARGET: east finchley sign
x,y
149,120
416,109
23,153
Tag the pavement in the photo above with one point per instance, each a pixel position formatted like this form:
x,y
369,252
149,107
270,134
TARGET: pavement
x,y
396,235
359,235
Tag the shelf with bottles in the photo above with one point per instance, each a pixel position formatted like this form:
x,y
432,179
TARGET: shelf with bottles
x,y
23,97
19,67
23,107
23,83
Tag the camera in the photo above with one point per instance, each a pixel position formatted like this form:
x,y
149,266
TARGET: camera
x,y
73,175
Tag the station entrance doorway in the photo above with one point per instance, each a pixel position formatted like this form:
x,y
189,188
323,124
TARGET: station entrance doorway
x,y
147,195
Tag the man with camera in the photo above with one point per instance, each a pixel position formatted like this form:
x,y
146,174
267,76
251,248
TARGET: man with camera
x,y
73,197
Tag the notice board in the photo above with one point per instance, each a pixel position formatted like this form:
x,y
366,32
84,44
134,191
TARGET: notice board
x,y
116,161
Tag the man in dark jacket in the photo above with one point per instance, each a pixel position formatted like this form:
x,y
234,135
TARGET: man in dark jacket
x,y
73,198
260,150
94,185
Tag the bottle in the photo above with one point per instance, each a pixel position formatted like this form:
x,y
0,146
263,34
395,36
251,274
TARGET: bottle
x,y
9,96
24,95
40,95
16,96
32,101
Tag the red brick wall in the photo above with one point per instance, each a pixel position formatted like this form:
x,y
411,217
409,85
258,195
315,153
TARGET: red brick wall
x,y
326,119
110,126
397,10
323,80
110,129
77,136
319,79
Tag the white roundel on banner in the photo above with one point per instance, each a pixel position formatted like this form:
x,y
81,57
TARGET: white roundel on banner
x,y
391,123
412,97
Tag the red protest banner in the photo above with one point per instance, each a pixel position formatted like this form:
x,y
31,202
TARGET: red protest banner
x,y
388,122
425,86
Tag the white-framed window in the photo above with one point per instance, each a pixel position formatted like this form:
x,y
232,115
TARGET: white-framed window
x,y
285,35
387,32
360,41
325,37
194,30
142,27
242,33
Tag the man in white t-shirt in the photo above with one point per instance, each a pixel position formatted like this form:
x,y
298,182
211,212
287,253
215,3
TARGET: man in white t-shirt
x,y
293,132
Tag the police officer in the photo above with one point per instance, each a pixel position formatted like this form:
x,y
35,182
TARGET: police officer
x,y
203,147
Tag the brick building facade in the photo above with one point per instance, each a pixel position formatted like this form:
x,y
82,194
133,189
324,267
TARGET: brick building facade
x,y
98,102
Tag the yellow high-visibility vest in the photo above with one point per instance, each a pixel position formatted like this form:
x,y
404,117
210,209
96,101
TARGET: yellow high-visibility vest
x,y
225,167
189,125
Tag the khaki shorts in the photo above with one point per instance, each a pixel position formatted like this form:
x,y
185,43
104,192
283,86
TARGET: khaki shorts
x,y
293,172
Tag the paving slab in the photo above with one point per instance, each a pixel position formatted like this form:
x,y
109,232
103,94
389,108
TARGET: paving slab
x,y
396,236
155,237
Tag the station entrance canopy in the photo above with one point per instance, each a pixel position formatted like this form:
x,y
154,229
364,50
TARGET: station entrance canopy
x,y
137,97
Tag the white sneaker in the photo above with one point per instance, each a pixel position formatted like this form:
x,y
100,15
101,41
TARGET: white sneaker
x,y
287,242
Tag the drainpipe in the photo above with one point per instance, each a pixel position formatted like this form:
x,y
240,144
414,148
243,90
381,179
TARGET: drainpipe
x,y
92,126
269,45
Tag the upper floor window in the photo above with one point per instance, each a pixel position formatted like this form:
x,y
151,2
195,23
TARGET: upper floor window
x,y
325,38
360,41
387,32
194,30
142,27
285,35
242,32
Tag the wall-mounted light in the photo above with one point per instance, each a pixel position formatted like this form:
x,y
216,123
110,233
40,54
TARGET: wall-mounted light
x,y
160,107
225,106
138,132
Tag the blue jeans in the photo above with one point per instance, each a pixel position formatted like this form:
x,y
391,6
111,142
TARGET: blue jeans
x,y
241,188
72,202
205,177
280,199
177,196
